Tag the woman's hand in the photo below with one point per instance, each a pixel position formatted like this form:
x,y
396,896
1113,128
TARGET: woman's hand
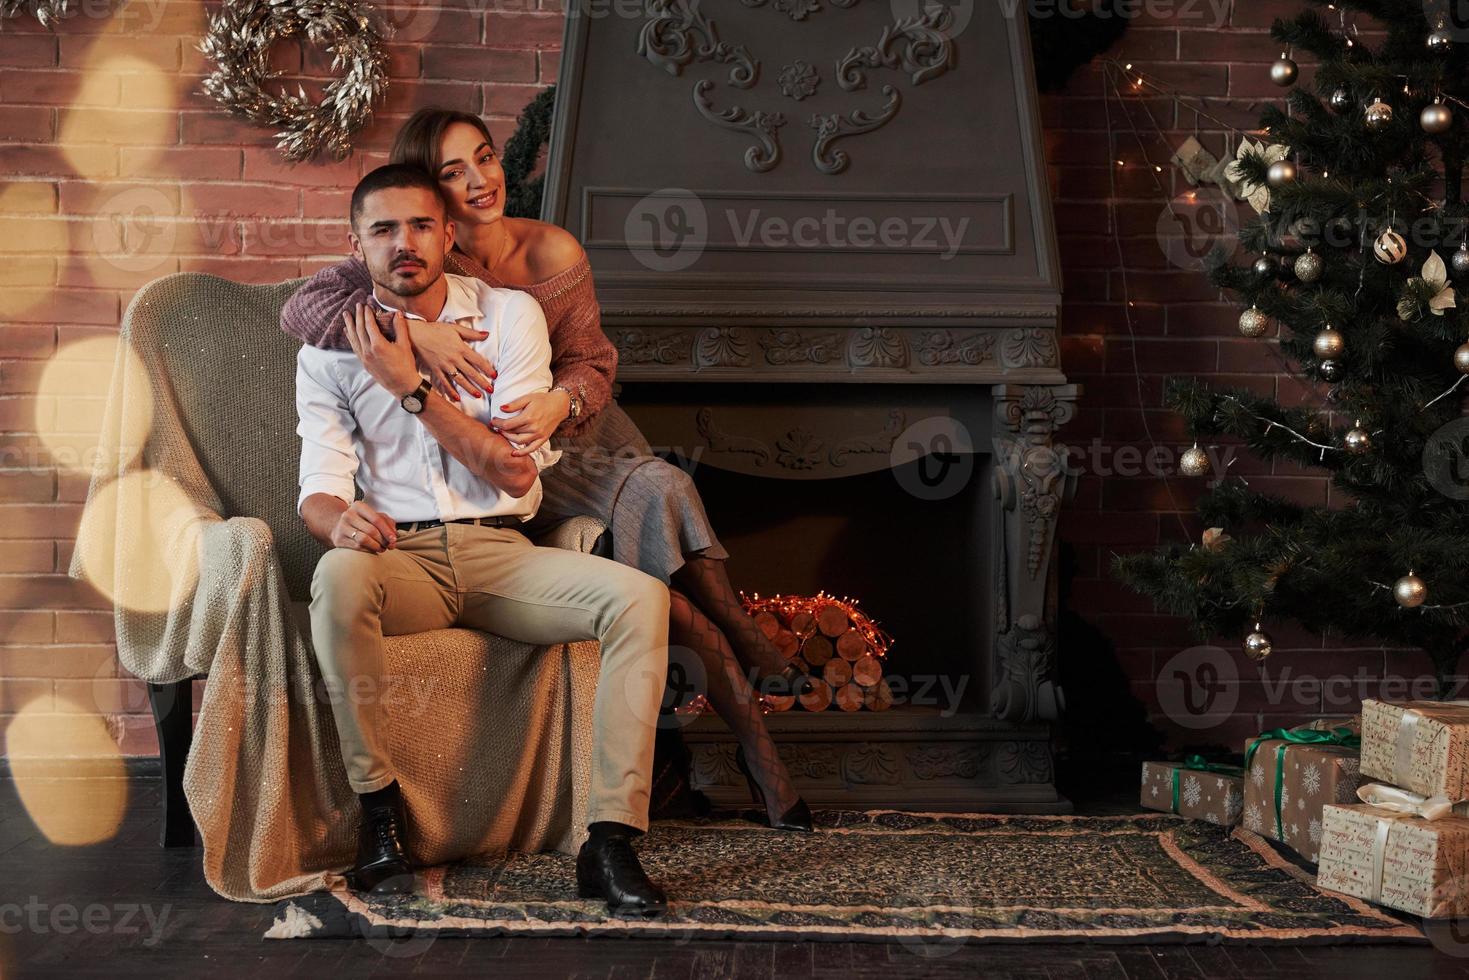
x,y
539,414
443,350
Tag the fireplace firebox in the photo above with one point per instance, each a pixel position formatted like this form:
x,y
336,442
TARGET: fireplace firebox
x,y
823,245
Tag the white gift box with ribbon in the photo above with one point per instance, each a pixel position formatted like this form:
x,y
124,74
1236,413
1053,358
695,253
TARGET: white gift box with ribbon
x,y
1400,849
1421,746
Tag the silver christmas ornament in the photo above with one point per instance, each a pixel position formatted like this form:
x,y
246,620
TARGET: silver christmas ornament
x,y
1253,323
1390,248
1461,358
1358,441
1440,41
1460,260
1258,644
1329,344
1410,591
1436,119
1281,172
1330,370
1284,71
1309,266
1265,267
1193,462
1340,100
1378,115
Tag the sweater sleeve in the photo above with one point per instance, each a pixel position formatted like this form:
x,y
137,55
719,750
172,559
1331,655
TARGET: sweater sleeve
x,y
313,314
582,358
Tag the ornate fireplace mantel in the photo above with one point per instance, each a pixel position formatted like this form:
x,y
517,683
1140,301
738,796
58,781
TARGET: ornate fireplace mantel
x,y
838,209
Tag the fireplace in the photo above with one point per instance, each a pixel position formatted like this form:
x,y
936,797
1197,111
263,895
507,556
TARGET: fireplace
x,y
824,249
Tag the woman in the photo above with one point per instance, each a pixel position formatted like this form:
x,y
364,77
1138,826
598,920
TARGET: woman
x,y
657,520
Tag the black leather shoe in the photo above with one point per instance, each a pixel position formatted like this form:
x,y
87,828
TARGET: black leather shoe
x,y
611,870
382,864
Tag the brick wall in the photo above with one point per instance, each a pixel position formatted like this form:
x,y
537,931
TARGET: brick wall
x,y
109,105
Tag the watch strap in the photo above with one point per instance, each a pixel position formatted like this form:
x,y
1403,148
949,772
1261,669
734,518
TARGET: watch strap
x,y
421,393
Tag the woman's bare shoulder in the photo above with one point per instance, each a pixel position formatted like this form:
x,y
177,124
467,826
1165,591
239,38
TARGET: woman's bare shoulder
x,y
550,249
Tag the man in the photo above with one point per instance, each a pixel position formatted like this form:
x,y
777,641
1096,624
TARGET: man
x,y
434,542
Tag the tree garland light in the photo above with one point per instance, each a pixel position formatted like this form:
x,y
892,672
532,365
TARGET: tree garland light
x,y
786,606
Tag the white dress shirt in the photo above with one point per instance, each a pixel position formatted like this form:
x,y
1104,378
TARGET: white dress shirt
x,y
354,432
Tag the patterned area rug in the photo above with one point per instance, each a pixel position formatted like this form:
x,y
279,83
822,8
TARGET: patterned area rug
x,y
889,876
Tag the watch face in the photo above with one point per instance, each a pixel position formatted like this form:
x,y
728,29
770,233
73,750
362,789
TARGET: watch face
x,y
413,404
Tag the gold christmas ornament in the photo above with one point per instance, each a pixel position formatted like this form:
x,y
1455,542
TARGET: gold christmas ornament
x,y
1378,115
1329,344
1285,71
1357,440
1258,644
1194,461
1436,119
239,41
1390,248
1410,591
1461,358
1280,173
1253,323
1265,267
1309,266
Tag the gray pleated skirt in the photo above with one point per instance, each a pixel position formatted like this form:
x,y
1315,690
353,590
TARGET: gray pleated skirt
x,y
652,507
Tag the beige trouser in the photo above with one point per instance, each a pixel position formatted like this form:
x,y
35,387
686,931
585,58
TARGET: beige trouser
x,y
494,579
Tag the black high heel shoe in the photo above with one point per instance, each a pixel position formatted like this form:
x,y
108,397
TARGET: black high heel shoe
x,y
790,682
798,817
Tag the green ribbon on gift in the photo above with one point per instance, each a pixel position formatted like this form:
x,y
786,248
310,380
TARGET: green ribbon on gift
x,y
1287,737
1197,763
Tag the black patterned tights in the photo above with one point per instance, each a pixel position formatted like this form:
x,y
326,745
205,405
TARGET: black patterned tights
x,y
730,695
705,581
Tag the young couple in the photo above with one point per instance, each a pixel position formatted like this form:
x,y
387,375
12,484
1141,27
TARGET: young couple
x,y
437,365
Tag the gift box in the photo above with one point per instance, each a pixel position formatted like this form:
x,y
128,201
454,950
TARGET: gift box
x,y
1421,746
1291,775
1194,788
1396,859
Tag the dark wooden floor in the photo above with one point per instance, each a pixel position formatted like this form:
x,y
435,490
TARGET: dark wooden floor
x,y
127,908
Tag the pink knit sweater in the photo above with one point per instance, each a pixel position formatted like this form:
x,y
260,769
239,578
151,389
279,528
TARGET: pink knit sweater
x,y
582,358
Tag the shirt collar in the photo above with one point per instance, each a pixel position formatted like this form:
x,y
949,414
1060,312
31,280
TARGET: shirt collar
x,y
460,303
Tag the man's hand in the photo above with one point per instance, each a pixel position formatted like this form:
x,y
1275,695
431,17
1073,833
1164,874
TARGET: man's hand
x,y
390,362
540,413
363,529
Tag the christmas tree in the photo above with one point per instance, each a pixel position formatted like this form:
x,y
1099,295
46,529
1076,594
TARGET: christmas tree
x,y
1354,255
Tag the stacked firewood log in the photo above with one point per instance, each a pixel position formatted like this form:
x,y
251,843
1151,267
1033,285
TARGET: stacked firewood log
x,y
834,644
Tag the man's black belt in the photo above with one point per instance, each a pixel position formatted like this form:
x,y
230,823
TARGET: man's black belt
x,y
481,521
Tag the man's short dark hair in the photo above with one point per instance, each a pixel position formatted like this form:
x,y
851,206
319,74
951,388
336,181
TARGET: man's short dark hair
x,y
392,175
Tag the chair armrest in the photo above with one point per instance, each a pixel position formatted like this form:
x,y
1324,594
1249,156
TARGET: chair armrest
x,y
580,533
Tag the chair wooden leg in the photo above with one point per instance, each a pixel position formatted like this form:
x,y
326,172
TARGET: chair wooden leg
x,y
173,715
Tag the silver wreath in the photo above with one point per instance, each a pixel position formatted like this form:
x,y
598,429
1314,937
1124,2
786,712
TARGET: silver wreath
x,y
239,40
48,12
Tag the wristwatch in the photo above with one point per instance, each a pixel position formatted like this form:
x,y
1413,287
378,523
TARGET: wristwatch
x,y
414,402
575,410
